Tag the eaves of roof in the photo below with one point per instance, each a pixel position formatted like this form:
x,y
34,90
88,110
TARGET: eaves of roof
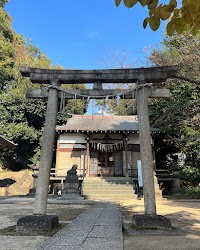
x,y
5,143
101,123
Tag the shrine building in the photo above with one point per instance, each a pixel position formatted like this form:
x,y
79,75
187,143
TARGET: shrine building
x,y
100,145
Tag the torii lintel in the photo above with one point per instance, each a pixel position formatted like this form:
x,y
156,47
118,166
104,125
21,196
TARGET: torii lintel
x,y
129,75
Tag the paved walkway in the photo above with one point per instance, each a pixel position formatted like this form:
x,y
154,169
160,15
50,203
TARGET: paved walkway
x,y
99,228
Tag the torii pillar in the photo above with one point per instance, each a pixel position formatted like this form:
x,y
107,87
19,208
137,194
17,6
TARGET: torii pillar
x,y
142,96
150,219
40,220
47,150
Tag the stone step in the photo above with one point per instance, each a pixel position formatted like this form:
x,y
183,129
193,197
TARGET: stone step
x,y
108,178
101,192
111,188
107,181
107,186
108,189
110,197
89,191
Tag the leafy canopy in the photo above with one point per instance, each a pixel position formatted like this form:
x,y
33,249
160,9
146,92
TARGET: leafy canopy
x,y
7,49
182,15
3,2
180,114
21,118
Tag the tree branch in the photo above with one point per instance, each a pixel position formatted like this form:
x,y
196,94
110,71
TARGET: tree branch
x,y
186,79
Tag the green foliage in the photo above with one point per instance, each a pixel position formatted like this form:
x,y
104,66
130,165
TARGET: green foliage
x,y
7,50
165,151
180,114
31,56
182,17
22,119
191,175
189,192
3,2
117,107
6,30
19,125
6,63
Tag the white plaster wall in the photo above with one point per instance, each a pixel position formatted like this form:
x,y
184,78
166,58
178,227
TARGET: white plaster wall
x,y
72,138
133,139
80,138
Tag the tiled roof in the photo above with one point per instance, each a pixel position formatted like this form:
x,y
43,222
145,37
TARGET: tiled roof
x,y
100,123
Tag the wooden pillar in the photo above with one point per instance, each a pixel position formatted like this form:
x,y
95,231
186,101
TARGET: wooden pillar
x,y
88,156
47,151
129,164
106,159
124,163
145,147
83,162
126,155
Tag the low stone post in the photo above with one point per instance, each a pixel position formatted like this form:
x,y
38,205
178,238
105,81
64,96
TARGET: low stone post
x,y
176,175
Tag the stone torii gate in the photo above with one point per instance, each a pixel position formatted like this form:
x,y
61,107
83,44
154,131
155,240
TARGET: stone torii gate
x,y
143,77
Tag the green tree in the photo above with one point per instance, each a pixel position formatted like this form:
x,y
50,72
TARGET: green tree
x,y
180,114
116,106
3,2
7,50
182,16
22,119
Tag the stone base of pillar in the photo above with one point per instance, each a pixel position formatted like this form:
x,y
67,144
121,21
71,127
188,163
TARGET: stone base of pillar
x,y
35,223
145,221
32,192
71,193
73,196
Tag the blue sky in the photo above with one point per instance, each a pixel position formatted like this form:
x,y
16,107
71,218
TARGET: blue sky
x,y
84,34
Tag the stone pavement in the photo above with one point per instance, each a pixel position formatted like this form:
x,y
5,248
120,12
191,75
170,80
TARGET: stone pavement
x,y
99,228
184,215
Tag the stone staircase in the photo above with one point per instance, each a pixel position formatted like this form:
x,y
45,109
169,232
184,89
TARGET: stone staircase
x,y
108,188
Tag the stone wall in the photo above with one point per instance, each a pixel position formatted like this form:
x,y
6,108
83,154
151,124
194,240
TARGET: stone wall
x,y
15,183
